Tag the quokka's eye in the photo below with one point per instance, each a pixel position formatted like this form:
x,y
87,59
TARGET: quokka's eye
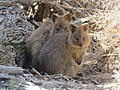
x,y
57,29
77,39
65,28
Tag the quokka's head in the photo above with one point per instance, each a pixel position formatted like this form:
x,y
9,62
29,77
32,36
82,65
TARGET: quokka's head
x,y
61,22
79,35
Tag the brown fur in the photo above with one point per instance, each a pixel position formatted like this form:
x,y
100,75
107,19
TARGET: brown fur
x,y
39,37
64,52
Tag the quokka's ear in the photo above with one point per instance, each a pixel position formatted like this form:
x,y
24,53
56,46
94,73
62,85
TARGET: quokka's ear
x,y
85,27
72,28
68,17
54,17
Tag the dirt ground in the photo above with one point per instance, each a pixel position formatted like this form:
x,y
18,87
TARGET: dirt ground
x,y
101,69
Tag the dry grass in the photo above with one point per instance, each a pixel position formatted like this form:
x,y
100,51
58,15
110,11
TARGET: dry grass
x,y
104,54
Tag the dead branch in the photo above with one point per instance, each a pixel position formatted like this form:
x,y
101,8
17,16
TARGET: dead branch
x,y
81,20
57,7
11,70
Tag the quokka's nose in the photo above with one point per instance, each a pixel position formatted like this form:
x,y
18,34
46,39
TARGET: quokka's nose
x,y
80,44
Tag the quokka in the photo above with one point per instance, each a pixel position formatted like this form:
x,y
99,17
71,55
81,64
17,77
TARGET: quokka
x,y
39,37
64,52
